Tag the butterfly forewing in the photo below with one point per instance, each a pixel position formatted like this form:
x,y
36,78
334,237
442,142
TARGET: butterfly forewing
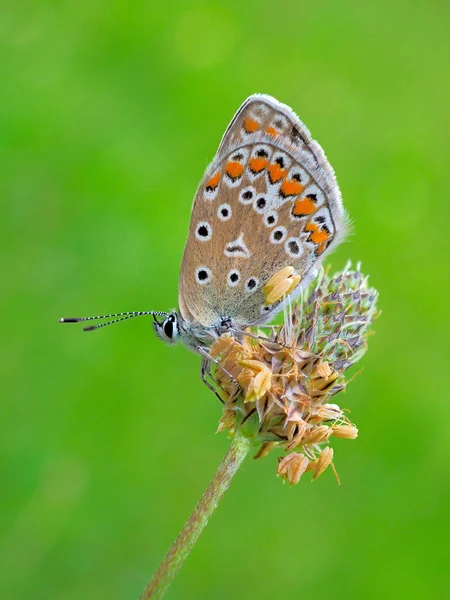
x,y
268,200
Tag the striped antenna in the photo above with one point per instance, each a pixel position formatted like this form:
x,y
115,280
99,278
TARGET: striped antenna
x,y
124,316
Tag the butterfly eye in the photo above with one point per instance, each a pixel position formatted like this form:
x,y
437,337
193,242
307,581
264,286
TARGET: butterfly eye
x,y
233,278
203,231
278,235
168,328
252,284
224,212
203,275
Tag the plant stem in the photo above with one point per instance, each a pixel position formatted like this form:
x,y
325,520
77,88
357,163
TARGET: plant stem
x,y
198,520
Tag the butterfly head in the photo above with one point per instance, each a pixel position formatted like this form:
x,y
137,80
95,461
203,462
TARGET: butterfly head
x,y
168,330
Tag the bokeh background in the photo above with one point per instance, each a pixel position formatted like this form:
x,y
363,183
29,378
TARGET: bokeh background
x,y
109,114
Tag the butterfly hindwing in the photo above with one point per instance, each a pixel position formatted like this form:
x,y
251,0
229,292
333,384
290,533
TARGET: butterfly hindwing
x,y
268,200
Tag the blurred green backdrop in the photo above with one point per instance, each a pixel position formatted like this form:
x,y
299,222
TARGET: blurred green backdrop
x,y
107,440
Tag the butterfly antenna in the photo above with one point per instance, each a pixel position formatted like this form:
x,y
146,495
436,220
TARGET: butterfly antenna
x,y
124,316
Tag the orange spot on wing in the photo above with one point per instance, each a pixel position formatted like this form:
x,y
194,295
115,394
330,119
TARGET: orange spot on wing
x,y
276,172
304,206
258,164
250,125
317,235
291,187
320,237
234,169
271,131
213,182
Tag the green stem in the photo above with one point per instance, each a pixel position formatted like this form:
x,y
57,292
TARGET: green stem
x,y
198,520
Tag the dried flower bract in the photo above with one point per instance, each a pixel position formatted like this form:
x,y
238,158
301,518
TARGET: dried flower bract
x,y
288,379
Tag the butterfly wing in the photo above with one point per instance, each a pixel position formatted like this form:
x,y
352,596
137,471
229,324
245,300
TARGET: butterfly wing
x,y
267,201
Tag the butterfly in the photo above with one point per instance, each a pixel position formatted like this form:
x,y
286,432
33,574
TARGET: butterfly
x,y
267,207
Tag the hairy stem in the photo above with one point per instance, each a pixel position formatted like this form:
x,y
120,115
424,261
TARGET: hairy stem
x,y
198,520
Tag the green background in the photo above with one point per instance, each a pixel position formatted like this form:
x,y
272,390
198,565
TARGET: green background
x,y
109,114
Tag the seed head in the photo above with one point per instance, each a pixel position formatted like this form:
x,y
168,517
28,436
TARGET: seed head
x,y
289,378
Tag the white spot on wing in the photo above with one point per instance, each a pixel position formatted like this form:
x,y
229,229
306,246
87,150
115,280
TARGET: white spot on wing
x,y
237,248
203,275
224,212
203,231
316,193
252,285
234,277
247,195
278,235
271,218
302,176
283,158
260,111
261,204
294,247
323,217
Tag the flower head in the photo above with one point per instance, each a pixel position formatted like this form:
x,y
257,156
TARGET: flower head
x,y
289,378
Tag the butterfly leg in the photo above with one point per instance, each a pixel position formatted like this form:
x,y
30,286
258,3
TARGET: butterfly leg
x,y
208,358
205,372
